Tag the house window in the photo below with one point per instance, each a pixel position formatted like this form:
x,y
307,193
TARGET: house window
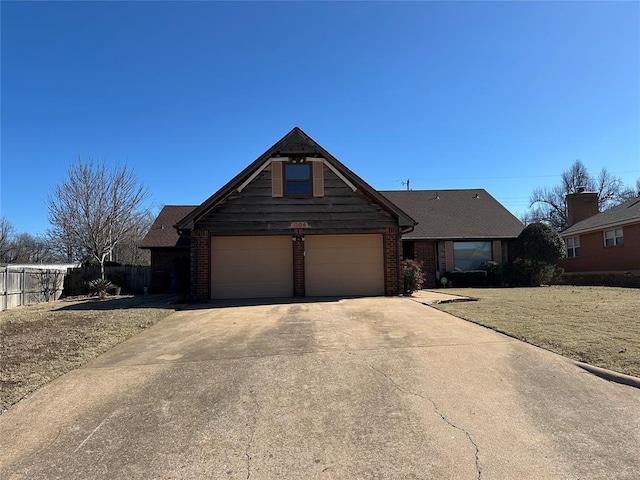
x,y
613,238
573,247
471,255
297,179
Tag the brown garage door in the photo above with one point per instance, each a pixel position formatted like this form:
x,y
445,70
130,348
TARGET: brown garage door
x,y
344,265
251,267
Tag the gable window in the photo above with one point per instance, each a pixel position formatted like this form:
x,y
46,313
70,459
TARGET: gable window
x,y
573,247
613,238
471,255
297,179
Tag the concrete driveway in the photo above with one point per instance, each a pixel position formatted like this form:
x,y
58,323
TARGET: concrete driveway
x,y
353,389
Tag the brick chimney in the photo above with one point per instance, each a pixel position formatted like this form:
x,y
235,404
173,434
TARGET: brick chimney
x,y
581,205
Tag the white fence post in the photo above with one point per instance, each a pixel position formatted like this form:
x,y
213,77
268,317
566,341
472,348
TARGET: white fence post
x,y
3,288
23,287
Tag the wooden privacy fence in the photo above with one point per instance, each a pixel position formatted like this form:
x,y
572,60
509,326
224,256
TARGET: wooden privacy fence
x,y
26,286
131,278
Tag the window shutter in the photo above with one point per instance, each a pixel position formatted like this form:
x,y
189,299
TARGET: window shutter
x,y
497,251
318,179
276,179
449,260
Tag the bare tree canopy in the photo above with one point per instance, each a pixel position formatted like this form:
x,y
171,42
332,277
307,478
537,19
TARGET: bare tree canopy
x,y
548,204
96,208
28,248
6,238
23,247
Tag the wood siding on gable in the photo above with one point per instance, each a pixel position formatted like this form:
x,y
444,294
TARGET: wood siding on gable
x,y
255,210
318,179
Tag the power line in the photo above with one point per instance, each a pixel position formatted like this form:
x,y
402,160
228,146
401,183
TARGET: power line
x,y
509,177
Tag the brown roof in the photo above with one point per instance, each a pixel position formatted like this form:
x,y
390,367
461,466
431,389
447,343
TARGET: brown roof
x,y
623,214
162,233
455,214
296,141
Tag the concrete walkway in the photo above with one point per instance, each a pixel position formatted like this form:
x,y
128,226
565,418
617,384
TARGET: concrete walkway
x,y
360,388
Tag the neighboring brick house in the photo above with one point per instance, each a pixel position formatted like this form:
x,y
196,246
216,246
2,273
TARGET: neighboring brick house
x,y
170,252
456,230
295,222
606,242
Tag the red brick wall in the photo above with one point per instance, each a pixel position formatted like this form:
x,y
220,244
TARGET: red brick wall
x,y
595,257
609,279
580,206
200,252
424,252
392,253
298,268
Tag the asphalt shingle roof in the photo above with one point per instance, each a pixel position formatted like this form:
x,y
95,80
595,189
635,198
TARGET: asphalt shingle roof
x,y
455,214
162,233
625,213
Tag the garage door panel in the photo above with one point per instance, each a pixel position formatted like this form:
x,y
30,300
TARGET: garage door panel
x,y
251,267
338,265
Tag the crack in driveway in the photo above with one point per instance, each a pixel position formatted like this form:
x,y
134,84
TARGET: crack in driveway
x,y
254,422
436,409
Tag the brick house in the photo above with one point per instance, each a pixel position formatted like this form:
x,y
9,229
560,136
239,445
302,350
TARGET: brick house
x,y
295,222
601,242
456,230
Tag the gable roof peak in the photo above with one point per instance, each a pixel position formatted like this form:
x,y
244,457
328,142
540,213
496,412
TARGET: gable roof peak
x,y
296,142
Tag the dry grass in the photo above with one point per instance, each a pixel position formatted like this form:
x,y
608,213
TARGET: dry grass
x,y
596,325
41,342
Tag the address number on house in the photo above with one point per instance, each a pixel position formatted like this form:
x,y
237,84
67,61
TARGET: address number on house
x,y
299,225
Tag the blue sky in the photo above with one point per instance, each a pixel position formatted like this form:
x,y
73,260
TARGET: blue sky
x,y
495,95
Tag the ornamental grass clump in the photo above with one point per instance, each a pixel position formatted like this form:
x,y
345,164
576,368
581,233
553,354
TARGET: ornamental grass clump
x,y
99,287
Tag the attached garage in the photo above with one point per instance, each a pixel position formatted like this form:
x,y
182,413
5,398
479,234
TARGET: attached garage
x,y
344,265
251,267
295,222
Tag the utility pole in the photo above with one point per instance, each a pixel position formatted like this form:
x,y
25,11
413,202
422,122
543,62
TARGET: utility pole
x,y
407,184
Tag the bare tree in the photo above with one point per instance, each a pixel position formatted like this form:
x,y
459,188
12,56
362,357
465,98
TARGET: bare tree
x,y
127,252
28,248
548,204
6,240
64,247
96,208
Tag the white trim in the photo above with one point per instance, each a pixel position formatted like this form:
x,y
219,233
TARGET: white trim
x,y
575,248
600,228
257,172
340,176
615,237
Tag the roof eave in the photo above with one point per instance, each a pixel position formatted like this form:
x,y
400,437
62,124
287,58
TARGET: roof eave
x,y
465,237
579,231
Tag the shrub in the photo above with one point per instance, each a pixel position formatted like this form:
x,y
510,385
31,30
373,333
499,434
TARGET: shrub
x,y
538,248
412,276
467,278
494,273
525,273
539,243
515,275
